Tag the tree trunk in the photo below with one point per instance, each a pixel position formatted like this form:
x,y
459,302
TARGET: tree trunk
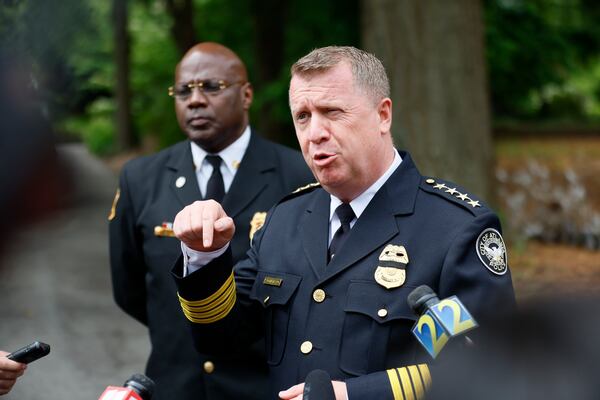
x,y
269,22
125,136
433,51
183,29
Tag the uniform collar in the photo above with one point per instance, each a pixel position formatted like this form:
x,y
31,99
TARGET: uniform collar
x,y
232,155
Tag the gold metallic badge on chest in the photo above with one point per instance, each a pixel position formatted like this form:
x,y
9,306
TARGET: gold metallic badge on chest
x,y
272,281
389,277
395,254
391,269
257,222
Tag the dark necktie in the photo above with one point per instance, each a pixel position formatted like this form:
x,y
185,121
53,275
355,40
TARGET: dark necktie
x,y
215,189
346,215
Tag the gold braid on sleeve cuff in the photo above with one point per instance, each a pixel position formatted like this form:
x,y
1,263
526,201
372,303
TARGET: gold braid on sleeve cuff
x,y
409,383
214,307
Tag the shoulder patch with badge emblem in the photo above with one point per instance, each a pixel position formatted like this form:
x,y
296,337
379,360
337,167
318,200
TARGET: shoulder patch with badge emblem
x,y
491,250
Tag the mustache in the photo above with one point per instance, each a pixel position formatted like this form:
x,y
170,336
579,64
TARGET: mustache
x,y
194,115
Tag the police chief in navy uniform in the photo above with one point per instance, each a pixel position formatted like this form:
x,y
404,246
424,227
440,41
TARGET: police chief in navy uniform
x,y
212,96
343,309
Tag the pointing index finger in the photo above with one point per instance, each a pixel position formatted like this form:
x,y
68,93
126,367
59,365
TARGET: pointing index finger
x,y
209,216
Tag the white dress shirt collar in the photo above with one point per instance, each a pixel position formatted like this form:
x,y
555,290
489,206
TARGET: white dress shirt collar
x,y
232,155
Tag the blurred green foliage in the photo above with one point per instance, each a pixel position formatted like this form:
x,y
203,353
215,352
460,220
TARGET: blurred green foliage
x,y
543,58
153,59
95,127
87,55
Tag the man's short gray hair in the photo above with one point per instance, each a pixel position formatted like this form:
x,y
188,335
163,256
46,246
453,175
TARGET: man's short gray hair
x,y
368,72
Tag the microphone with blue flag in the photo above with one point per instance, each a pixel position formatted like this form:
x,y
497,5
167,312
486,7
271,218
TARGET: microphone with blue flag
x,y
439,320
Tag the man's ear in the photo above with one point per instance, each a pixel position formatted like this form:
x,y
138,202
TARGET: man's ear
x,y
384,110
248,95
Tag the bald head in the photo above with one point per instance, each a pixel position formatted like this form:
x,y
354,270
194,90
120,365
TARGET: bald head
x,y
222,55
213,119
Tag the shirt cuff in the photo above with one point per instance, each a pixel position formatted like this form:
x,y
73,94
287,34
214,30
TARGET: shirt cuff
x,y
193,260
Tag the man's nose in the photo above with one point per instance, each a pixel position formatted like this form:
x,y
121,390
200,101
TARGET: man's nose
x,y
198,98
318,130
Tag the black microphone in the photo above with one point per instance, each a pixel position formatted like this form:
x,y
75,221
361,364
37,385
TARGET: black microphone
x,y
318,386
138,387
30,353
439,320
421,299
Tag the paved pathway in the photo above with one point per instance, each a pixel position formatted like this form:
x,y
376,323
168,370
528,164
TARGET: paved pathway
x,y
55,287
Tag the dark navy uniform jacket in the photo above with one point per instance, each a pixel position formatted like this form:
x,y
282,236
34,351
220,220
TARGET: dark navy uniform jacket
x,y
346,333
141,259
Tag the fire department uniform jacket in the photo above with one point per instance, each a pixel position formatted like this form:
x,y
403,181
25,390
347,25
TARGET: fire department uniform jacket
x,y
341,317
152,190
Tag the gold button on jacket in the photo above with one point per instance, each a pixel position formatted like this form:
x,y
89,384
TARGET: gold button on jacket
x,y
319,295
209,367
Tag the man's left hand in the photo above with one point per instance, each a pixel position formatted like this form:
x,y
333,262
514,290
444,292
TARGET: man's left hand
x,y
295,392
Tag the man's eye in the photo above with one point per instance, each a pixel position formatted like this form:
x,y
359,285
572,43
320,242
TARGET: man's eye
x,y
183,90
211,86
301,116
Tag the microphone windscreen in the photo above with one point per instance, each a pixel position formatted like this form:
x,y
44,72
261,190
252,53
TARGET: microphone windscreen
x,y
317,386
142,385
45,348
419,297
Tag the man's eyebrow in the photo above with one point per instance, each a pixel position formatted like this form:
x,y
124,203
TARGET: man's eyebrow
x,y
335,103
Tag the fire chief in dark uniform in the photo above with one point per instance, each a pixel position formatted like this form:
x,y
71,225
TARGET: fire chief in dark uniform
x,y
328,274
224,160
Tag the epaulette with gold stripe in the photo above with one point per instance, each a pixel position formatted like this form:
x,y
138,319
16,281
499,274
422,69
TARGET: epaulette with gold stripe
x,y
306,187
301,190
409,382
214,307
454,194
113,209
